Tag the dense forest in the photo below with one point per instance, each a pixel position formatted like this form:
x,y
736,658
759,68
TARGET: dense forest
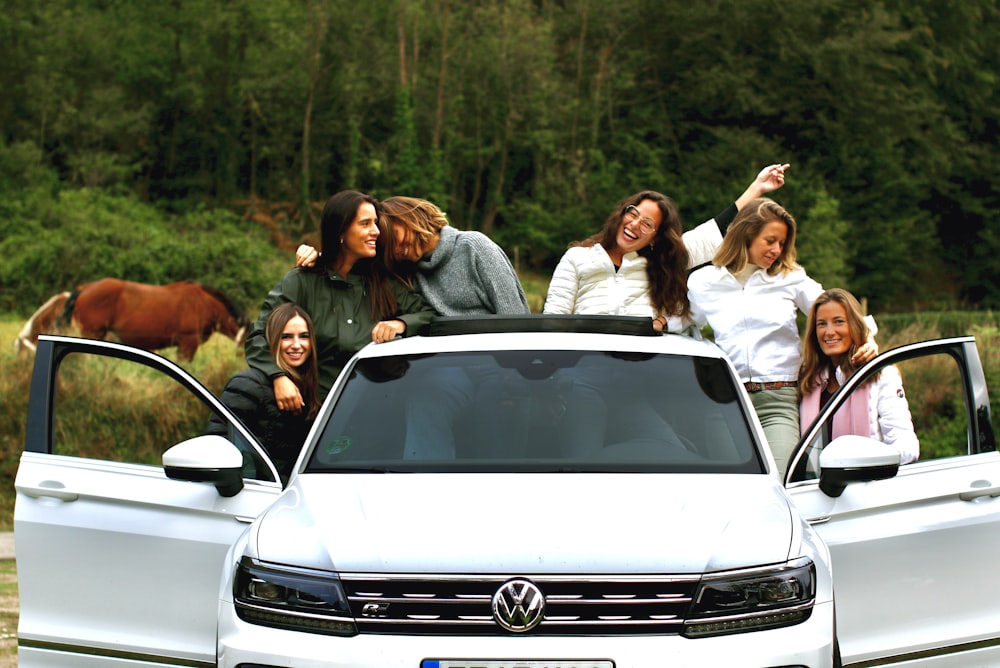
x,y
525,119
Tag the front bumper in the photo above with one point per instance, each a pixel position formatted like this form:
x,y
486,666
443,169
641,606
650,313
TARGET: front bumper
x,y
807,644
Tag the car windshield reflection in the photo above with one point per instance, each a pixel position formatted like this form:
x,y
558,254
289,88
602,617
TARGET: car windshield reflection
x,y
537,411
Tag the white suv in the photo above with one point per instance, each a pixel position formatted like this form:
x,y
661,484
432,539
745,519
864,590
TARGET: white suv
x,y
540,492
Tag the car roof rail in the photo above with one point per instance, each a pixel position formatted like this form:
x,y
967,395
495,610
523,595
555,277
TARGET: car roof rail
x,y
498,324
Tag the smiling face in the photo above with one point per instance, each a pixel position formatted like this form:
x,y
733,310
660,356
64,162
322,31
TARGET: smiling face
x,y
768,245
833,330
639,225
360,237
295,344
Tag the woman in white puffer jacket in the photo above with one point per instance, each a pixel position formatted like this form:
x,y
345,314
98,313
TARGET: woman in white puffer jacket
x,y
878,409
637,264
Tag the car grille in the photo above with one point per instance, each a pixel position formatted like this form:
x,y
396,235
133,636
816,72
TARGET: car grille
x,y
462,605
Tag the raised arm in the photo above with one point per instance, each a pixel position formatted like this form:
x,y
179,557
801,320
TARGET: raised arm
x,y
703,241
768,180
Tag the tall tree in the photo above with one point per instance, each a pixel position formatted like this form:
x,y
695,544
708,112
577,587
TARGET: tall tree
x,y
316,27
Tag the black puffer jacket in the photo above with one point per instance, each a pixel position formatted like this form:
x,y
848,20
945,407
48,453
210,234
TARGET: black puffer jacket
x,y
250,395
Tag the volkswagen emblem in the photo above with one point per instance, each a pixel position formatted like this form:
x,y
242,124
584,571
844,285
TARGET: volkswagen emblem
x,y
518,606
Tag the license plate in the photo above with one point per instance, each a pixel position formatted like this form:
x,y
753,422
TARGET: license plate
x,y
475,663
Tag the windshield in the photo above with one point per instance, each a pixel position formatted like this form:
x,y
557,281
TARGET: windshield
x,y
537,411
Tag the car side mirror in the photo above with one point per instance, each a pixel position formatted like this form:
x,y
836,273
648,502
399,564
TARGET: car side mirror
x,y
206,459
853,458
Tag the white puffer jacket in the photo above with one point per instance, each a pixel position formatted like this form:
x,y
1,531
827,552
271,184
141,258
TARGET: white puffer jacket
x,y
889,417
585,281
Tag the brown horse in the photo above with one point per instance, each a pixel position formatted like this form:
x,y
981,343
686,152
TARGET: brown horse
x,y
42,321
152,317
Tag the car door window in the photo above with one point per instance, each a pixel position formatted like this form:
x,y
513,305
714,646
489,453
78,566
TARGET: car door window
x,y
933,389
114,409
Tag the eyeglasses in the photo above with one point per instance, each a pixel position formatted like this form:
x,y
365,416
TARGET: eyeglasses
x,y
633,215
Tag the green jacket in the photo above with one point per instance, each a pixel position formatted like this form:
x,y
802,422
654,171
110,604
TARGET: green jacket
x,y
341,317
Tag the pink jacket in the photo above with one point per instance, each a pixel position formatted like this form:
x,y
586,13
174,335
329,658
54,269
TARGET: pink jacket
x,y
877,410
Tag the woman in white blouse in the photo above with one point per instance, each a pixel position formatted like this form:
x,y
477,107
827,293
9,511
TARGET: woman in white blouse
x,y
749,297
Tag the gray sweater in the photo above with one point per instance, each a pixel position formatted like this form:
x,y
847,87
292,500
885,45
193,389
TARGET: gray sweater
x,y
468,274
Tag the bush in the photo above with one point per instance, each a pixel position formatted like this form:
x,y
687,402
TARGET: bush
x,y
930,324
84,235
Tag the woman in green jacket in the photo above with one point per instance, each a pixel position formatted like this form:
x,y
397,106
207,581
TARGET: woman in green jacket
x,y
349,294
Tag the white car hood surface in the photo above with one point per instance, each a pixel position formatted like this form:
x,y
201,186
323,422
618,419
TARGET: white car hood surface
x,y
514,523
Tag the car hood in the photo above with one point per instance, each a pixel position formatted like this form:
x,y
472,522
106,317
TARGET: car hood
x,y
527,523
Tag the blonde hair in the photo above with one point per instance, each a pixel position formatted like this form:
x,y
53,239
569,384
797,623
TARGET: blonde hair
x,y
747,225
422,218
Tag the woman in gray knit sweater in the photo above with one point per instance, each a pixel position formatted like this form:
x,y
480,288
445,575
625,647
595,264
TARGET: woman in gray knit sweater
x,y
458,272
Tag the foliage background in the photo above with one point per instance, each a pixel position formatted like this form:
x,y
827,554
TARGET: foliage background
x,y
160,141
195,139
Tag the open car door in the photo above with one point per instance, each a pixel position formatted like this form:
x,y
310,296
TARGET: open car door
x,y
909,542
118,563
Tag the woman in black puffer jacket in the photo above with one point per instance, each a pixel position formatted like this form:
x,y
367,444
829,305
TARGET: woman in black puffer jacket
x,y
250,394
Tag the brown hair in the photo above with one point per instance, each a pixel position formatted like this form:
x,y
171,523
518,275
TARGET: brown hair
x,y
667,258
746,226
338,214
816,363
306,376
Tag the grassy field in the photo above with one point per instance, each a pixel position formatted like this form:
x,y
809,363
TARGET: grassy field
x,y
8,613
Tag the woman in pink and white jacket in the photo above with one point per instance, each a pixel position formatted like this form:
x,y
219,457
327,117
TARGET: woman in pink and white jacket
x,y
877,409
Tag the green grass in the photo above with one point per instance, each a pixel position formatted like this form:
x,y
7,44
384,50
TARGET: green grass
x,y
8,612
536,286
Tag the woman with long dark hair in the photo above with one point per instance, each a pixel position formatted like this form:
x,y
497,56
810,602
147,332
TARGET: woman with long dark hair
x,y
637,264
351,297
250,395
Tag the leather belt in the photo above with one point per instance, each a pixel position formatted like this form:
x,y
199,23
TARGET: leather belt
x,y
776,385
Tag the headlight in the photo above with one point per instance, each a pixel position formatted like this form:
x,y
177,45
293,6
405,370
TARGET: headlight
x,y
742,601
297,599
